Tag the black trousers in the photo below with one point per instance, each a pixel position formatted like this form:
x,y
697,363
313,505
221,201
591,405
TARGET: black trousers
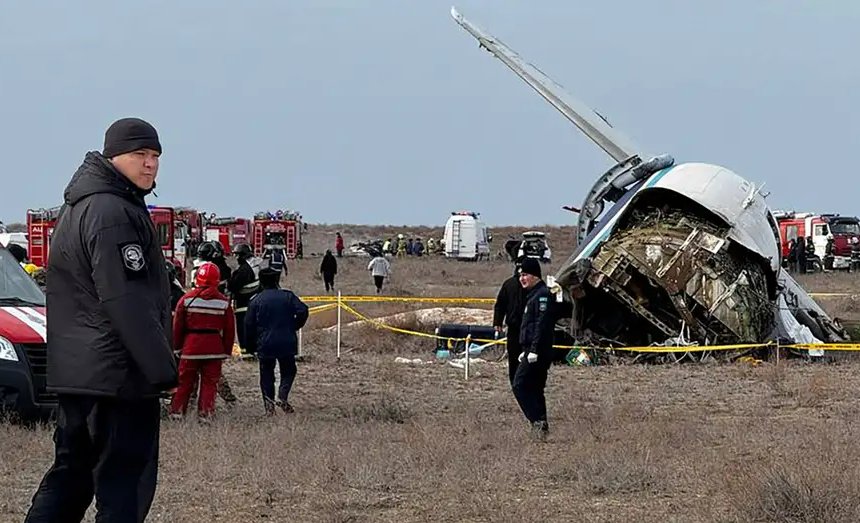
x,y
240,330
529,385
329,281
287,366
514,349
377,280
107,448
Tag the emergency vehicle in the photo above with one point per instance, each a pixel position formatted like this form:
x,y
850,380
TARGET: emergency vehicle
x,y
40,228
228,231
179,229
845,231
281,229
466,236
23,347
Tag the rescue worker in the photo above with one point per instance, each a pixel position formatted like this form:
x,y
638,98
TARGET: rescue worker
x,y
243,286
274,317
418,248
379,268
275,255
176,290
410,247
536,339
328,269
828,253
108,331
855,254
338,245
792,255
386,247
203,331
401,246
508,311
431,246
801,254
212,251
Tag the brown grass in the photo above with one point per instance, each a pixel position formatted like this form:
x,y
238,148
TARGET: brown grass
x,y
374,440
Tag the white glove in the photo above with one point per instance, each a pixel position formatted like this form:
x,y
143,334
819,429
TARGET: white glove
x,y
521,357
532,357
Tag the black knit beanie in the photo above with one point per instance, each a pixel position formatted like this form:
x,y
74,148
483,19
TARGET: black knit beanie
x,y
130,134
530,266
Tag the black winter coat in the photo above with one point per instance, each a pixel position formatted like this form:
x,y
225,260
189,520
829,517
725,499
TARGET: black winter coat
x,y
538,325
329,264
509,304
108,298
274,317
243,286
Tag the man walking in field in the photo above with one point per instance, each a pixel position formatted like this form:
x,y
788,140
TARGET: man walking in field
x,y
380,269
271,325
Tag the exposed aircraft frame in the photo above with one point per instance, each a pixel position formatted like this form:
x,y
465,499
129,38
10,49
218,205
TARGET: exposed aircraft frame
x,y
690,251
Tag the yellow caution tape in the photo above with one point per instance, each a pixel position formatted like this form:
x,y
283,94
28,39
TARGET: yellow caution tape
x,y
322,308
642,349
831,294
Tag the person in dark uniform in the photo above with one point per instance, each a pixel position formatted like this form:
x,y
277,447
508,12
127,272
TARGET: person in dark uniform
x,y
243,286
536,338
508,310
274,317
328,269
274,254
212,251
109,327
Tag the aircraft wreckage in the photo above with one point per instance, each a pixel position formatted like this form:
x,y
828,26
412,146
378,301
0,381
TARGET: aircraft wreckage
x,y
669,254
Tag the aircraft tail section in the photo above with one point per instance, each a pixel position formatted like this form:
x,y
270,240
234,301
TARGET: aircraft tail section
x,y
592,124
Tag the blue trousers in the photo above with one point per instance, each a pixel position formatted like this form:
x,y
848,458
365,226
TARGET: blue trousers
x,y
287,366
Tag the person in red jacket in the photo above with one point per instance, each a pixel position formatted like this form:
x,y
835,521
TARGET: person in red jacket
x,y
338,245
204,328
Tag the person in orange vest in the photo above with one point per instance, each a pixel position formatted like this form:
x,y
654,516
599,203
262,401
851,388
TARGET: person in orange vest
x,y
204,328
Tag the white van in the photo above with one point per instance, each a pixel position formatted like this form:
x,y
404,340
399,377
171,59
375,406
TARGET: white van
x,y
466,237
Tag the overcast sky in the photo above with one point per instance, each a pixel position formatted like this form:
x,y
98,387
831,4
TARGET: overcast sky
x,y
387,112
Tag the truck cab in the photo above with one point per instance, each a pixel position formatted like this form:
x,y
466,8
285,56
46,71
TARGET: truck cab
x,y
23,344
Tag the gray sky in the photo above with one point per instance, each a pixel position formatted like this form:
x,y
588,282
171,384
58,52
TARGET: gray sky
x,y
387,111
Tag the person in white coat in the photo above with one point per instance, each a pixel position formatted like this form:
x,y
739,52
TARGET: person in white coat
x,y
380,268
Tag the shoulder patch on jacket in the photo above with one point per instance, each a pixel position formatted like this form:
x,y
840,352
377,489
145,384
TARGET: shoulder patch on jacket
x,y
133,260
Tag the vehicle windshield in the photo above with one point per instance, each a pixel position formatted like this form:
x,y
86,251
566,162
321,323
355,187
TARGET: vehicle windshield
x,y
15,284
845,228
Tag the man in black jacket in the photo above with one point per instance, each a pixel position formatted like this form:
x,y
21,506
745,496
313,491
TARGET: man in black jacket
x,y
508,310
243,285
536,338
328,269
109,325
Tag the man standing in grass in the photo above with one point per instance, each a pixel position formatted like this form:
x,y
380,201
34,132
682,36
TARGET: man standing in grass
x,y
536,339
109,325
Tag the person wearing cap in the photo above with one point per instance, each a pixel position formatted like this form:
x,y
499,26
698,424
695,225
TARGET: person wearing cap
x,y
536,339
271,325
109,335
203,332
508,311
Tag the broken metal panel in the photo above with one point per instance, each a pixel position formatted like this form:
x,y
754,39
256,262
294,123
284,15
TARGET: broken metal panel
x,y
737,201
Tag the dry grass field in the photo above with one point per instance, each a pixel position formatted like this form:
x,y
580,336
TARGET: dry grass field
x,y
375,440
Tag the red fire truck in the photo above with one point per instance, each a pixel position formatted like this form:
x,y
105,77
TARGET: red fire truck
x,y
282,229
228,231
179,231
845,231
40,228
